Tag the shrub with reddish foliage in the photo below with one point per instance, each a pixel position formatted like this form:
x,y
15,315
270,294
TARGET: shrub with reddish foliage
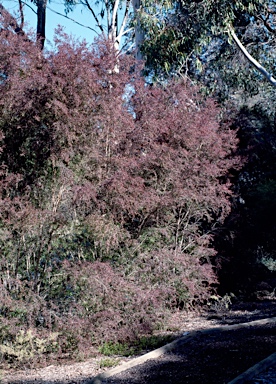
x,y
110,192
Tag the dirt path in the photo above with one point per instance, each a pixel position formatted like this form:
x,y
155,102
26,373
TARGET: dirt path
x,y
215,357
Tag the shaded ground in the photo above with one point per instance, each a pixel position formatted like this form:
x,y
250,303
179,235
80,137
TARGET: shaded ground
x,y
216,358
206,358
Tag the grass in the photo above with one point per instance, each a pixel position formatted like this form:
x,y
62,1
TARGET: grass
x,y
108,363
144,344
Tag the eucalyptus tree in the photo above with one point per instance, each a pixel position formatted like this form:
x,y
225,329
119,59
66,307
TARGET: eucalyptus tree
x,y
110,18
189,35
125,23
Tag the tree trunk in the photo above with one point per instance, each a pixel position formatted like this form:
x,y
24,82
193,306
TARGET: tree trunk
x,y
41,22
139,33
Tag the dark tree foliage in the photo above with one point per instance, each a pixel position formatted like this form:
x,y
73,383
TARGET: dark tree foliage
x,y
110,193
248,244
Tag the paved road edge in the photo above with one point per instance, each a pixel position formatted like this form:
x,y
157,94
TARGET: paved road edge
x,y
173,345
255,370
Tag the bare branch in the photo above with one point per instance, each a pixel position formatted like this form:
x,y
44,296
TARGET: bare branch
x,y
114,14
127,31
86,2
125,51
251,59
69,18
125,18
31,8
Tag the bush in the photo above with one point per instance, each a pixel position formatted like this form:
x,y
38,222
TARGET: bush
x,y
26,346
110,191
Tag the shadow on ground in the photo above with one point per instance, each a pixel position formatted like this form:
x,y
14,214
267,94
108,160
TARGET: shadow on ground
x,y
214,358
243,312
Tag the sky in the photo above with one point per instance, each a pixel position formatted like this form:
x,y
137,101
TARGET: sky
x,y
79,14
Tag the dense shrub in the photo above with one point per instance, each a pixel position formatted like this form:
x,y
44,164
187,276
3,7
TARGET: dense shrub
x,y
110,192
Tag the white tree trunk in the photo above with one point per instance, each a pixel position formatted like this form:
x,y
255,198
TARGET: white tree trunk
x,y
139,33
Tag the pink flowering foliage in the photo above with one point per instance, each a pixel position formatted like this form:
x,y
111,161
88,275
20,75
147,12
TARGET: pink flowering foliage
x,y
111,190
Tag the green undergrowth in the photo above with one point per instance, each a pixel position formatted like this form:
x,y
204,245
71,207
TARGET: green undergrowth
x,y
109,362
25,346
137,347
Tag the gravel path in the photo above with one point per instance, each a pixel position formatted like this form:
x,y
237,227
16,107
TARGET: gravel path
x,y
215,357
203,357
